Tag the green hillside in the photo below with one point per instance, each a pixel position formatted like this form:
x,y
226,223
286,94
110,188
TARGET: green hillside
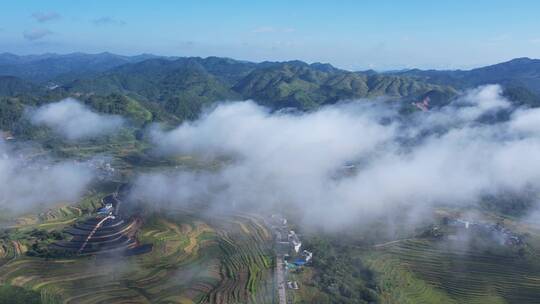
x,y
519,72
186,84
57,68
12,86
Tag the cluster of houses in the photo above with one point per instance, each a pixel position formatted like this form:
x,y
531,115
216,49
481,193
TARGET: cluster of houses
x,y
497,231
289,246
107,209
110,205
294,240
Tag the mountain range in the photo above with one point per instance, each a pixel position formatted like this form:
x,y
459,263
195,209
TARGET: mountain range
x,y
519,72
178,88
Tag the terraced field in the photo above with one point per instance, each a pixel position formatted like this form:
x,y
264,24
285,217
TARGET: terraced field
x,y
420,271
7,252
192,261
61,216
247,263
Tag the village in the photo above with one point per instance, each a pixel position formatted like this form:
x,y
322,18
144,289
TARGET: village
x,y
497,231
458,229
290,256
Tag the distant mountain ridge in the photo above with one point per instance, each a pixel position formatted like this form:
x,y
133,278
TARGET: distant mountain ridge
x,y
150,87
11,86
48,67
520,72
196,81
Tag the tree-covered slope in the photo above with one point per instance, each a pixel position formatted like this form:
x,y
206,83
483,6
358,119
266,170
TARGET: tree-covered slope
x,y
181,87
151,88
62,68
186,84
11,86
304,86
519,72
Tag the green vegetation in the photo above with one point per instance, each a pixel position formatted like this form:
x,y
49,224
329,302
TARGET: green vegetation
x,y
230,259
247,263
421,271
57,68
17,295
522,96
417,265
171,91
149,89
192,261
120,105
337,275
290,84
519,72
398,284
12,86
11,111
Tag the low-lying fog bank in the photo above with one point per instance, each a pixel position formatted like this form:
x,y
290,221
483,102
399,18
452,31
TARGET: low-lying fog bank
x,y
73,120
27,183
346,163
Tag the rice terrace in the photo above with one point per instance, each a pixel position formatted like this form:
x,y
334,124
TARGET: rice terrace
x,y
270,152
191,261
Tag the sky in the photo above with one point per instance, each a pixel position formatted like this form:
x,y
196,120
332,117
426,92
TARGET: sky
x,y
355,35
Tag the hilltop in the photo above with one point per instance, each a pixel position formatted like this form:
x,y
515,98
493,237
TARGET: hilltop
x,y
174,89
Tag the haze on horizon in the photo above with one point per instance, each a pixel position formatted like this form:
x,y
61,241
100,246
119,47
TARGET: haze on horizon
x,y
353,35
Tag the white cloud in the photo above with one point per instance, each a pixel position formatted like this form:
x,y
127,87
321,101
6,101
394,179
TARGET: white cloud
x,y
45,16
297,161
73,120
527,121
36,34
26,184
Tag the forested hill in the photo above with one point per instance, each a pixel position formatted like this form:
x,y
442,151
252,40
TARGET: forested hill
x,y
52,67
157,88
192,82
12,86
519,72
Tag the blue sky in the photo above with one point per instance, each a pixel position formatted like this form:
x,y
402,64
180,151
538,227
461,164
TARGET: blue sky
x,y
350,34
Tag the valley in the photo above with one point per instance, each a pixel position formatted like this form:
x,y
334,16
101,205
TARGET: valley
x,y
325,186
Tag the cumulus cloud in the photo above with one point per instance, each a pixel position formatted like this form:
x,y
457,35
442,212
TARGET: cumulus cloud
x,y
73,120
26,183
106,20
36,34
45,16
346,163
527,121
